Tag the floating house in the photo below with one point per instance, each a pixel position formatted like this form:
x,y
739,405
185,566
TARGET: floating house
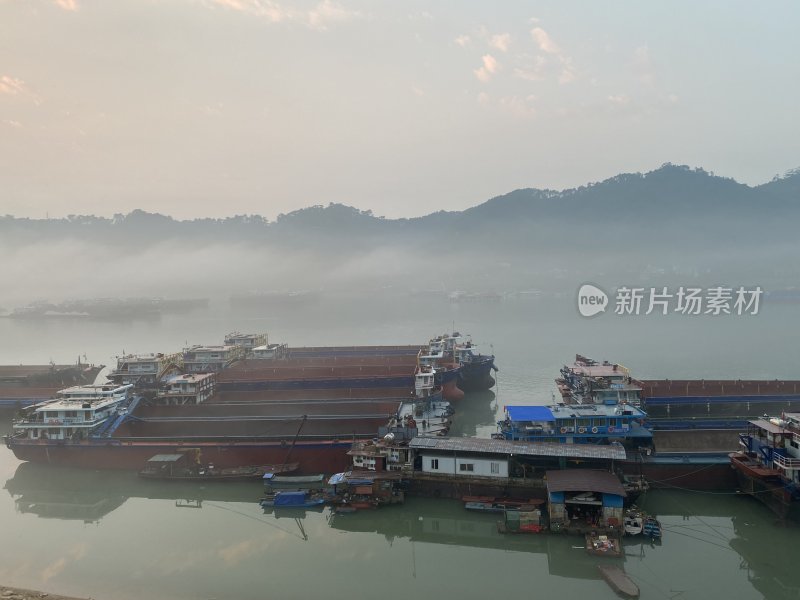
x,y
581,500
503,459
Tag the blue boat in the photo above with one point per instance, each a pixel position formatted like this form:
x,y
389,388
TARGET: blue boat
x,y
651,527
577,424
294,499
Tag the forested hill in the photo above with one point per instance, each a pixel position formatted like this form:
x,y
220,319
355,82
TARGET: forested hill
x,y
691,200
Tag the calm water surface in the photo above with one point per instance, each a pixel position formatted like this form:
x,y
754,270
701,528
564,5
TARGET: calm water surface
x,y
111,536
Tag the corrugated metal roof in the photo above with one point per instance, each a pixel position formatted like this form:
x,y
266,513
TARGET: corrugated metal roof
x,y
584,480
772,427
506,447
530,413
165,458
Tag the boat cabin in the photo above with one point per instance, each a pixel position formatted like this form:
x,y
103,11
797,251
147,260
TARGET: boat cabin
x,y
588,381
269,351
145,370
576,424
209,359
775,443
193,388
246,340
424,382
389,453
74,414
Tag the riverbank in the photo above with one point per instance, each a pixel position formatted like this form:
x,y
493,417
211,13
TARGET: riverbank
x,y
9,593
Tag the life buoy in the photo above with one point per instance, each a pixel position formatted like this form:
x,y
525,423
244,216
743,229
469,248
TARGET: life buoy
x,y
610,429
594,430
581,429
563,430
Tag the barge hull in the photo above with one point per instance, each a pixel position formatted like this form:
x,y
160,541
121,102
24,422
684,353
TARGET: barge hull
x,y
131,454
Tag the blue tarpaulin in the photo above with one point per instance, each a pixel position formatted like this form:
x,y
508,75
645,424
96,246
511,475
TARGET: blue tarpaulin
x,y
337,479
529,413
290,498
340,478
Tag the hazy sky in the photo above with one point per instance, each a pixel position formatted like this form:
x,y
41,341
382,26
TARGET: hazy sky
x,y
220,107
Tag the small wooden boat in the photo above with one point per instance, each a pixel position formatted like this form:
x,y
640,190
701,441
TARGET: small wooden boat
x,y
651,528
633,521
603,545
183,467
276,480
492,504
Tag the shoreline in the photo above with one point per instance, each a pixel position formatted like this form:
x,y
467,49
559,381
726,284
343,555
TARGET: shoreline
x,y
12,593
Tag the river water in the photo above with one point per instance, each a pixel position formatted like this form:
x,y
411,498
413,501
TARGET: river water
x,y
110,536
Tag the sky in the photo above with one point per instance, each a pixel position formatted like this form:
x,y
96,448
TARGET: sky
x,y
212,108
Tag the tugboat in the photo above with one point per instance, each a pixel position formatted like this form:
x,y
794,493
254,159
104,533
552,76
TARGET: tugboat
x,y
768,464
475,370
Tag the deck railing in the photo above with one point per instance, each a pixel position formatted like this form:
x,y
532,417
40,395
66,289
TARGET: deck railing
x,y
786,462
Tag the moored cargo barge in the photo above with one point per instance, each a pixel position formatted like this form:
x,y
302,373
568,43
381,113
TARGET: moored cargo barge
x,y
108,427
23,385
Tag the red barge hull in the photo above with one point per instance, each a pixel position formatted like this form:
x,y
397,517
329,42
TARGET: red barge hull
x,y
327,456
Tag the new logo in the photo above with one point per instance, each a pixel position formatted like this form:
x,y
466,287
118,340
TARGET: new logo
x,y
591,300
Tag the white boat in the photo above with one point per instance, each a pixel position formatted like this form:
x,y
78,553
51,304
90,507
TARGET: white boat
x,y
633,522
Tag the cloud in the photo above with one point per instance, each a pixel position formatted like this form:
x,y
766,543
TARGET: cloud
x,y
501,41
12,123
67,4
567,70
320,17
518,106
532,69
327,12
264,9
462,40
643,66
246,549
619,99
546,44
488,69
12,85
521,107
417,91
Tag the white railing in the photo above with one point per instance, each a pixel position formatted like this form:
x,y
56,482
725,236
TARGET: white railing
x,y
785,462
57,422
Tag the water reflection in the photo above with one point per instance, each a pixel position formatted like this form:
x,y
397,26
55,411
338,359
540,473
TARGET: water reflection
x,y
64,493
475,415
724,532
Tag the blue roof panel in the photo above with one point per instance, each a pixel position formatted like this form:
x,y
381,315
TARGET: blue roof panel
x,y
530,413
